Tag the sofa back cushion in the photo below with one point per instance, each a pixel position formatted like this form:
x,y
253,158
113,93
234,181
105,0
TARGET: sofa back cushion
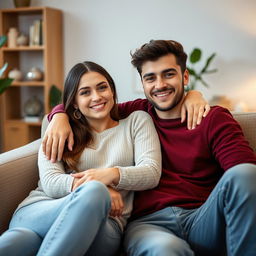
x,y
247,122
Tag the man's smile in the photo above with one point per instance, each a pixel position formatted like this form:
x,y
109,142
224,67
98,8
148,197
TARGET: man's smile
x,y
163,93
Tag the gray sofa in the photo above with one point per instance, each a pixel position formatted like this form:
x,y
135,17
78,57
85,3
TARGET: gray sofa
x,y
19,172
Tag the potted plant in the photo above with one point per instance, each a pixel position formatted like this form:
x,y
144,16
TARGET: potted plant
x,y
197,76
55,96
4,82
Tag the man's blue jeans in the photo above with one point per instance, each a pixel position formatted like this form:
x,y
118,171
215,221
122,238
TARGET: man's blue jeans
x,y
77,224
225,223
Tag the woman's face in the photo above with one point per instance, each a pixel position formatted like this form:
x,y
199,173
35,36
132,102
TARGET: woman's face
x,y
94,97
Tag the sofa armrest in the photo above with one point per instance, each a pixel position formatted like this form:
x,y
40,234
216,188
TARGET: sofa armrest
x,y
18,176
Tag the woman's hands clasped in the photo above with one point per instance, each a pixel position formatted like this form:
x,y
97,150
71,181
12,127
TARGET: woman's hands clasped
x,y
107,176
117,204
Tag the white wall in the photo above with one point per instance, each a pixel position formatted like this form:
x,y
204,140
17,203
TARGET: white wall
x,y
105,31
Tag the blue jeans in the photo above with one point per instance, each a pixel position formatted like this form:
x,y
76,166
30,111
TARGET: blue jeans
x,y
225,223
77,224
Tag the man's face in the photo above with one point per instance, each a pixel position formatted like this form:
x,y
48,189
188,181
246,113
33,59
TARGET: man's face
x,y
163,84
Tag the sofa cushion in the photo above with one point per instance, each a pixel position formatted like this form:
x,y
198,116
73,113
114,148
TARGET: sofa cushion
x,y
19,175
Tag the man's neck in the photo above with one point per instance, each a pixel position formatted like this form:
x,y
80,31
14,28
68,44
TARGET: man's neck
x,y
173,113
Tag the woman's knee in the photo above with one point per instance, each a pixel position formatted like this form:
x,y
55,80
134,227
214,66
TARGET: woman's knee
x,y
93,187
96,193
19,241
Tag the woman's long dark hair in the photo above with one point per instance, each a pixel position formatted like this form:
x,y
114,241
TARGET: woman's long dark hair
x,y
83,136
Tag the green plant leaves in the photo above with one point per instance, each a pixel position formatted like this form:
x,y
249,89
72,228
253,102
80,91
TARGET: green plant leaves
x,y
203,82
208,62
3,68
191,71
55,96
3,40
197,76
4,84
195,56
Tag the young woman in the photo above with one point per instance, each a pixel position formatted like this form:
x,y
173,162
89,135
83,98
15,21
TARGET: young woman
x,y
82,203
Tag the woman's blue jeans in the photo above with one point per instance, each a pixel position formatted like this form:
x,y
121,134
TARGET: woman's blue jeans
x,y
225,223
77,224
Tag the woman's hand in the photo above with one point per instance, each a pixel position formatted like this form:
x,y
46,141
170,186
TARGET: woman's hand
x,y
107,176
57,132
74,183
196,107
117,204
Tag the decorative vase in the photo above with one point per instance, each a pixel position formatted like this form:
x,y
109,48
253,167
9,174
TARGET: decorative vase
x,y
15,74
12,37
21,3
35,74
22,40
33,107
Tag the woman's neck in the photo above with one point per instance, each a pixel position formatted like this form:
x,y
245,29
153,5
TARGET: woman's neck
x,y
102,125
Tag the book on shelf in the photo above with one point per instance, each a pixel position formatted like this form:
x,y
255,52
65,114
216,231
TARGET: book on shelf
x,y
36,33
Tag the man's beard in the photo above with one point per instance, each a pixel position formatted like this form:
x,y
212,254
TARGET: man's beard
x,y
177,99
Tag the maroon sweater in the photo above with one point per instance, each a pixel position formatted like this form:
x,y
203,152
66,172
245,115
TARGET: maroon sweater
x,y
192,160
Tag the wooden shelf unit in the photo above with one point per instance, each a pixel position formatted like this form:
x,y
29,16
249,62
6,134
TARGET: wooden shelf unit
x,y
15,131
28,83
23,48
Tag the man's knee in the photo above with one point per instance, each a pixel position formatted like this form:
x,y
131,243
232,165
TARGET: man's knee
x,y
147,241
242,175
169,246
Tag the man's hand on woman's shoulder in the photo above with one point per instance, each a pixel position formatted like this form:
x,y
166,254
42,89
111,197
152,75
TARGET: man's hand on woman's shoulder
x,y
57,132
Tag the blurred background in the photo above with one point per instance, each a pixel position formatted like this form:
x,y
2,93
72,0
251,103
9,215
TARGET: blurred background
x,y
106,32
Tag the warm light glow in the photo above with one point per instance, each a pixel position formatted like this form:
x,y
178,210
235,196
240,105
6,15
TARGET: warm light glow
x,y
246,94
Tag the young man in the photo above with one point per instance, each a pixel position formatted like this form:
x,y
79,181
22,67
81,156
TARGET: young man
x,y
205,201
206,197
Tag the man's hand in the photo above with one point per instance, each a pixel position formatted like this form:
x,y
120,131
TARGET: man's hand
x,y
117,204
57,132
107,176
196,108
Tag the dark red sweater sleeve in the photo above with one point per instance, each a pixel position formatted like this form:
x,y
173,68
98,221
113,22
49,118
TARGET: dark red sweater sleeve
x,y
125,109
57,109
227,140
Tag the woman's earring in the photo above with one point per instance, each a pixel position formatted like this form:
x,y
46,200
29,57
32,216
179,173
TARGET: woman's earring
x,y
77,114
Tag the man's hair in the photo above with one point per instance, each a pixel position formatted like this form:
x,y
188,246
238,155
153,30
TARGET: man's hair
x,y
158,48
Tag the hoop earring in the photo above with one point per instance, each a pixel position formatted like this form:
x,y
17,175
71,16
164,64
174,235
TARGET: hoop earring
x,y
77,114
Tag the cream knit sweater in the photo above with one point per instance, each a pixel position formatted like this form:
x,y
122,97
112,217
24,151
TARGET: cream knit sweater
x,y
132,146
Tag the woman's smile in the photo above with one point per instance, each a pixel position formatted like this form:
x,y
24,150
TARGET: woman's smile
x,y
98,107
